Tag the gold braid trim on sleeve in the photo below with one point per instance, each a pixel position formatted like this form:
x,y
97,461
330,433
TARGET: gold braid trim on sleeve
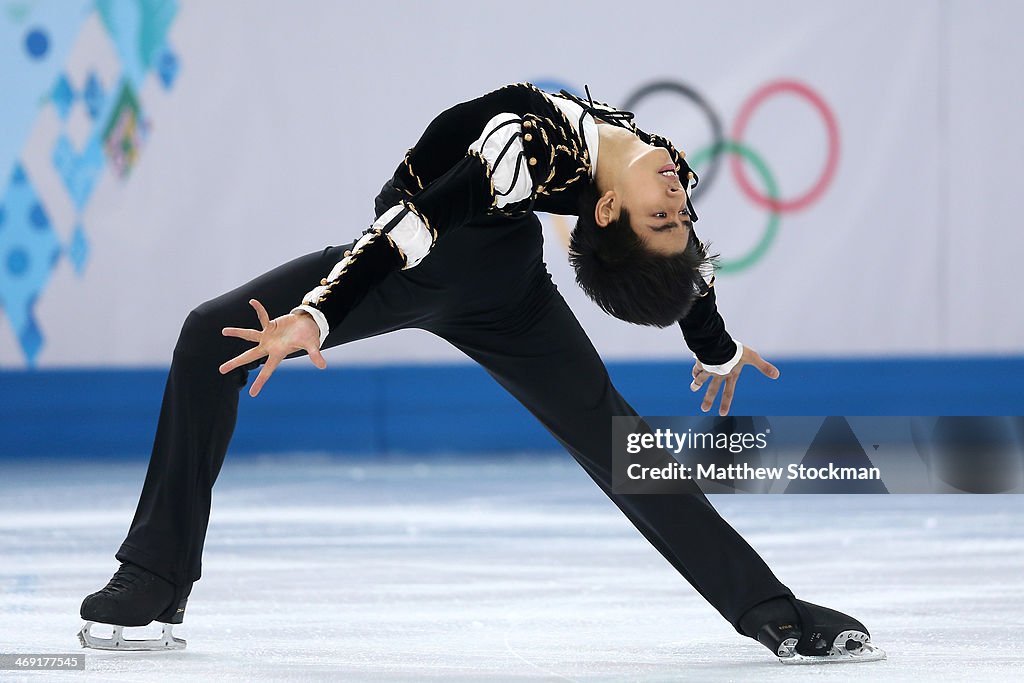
x,y
408,165
490,181
326,285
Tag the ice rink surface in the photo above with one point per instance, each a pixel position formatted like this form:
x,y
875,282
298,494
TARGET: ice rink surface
x,y
475,569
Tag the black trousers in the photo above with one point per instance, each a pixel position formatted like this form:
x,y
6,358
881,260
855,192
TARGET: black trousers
x,y
485,289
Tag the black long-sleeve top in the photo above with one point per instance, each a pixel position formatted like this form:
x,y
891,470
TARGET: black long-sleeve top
x,y
516,149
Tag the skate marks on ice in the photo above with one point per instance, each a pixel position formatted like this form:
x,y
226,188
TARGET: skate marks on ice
x,y
319,568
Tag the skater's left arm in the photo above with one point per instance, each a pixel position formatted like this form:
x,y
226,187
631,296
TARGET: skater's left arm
x,y
719,358
728,380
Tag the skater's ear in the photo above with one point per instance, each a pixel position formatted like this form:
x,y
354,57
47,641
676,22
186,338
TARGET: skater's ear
x,y
606,209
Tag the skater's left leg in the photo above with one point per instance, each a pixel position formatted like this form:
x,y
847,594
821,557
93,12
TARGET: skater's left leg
x,y
541,355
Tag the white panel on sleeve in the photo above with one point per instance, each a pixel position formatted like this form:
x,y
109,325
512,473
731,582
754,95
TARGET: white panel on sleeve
x,y
501,146
410,233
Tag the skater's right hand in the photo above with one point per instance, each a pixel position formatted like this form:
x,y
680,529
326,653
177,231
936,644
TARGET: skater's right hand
x,y
278,338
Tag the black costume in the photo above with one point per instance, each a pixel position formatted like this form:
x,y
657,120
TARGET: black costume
x,y
484,288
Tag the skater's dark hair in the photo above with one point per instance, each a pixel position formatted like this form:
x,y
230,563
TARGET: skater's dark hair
x,y
626,280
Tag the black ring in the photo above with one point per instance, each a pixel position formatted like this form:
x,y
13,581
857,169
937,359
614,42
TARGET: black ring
x,y
717,135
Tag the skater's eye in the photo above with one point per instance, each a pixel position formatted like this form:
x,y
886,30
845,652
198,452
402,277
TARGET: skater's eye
x,y
670,226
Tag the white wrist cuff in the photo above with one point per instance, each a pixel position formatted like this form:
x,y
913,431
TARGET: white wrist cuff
x,y
321,320
727,367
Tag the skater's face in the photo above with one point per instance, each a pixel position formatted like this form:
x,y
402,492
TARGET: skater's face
x,y
648,187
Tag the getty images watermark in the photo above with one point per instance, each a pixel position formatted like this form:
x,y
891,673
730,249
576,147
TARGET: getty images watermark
x,y
734,443
818,454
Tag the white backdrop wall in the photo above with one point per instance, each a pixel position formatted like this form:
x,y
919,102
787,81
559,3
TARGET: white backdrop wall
x,y
279,121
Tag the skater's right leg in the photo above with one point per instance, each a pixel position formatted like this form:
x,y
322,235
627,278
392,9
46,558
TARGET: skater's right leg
x,y
197,419
162,553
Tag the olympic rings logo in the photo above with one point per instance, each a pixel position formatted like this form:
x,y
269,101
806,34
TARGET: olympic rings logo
x,y
707,160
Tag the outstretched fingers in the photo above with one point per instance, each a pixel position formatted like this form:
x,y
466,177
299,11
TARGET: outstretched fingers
x,y
315,356
242,333
255,336
261,313
265,372
711,393
241,359
277,339
766,368
727,393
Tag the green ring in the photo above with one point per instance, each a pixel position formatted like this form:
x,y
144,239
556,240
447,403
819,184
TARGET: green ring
x,y
733,266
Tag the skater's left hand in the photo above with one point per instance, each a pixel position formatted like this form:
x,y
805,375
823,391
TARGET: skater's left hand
x,y
700,376
278,339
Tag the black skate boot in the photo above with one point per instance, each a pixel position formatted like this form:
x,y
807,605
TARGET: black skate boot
x,y
133,597
821,635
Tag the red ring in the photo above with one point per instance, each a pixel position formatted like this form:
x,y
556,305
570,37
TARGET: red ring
x,y
747,110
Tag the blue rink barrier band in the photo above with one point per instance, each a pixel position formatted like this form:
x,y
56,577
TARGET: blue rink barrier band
x,y
458,408
818,454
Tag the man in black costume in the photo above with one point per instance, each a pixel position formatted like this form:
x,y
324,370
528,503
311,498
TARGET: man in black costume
x,y
456,250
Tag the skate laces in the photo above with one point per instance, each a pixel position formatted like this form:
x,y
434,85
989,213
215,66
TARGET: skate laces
x,y
123,577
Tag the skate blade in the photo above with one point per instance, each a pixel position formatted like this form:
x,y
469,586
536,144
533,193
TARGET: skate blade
x,y
117,641
840,653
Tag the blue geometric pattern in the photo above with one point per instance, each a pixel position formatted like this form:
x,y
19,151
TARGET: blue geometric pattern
x,y
79,170
167,68
29,250
63,96
35,41
93,95
78,250
138,29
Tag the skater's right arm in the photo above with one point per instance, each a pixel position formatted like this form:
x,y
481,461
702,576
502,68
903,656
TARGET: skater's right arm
x,y
493,177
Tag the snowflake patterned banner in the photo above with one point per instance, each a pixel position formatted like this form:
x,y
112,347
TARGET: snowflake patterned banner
x,y
91,109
